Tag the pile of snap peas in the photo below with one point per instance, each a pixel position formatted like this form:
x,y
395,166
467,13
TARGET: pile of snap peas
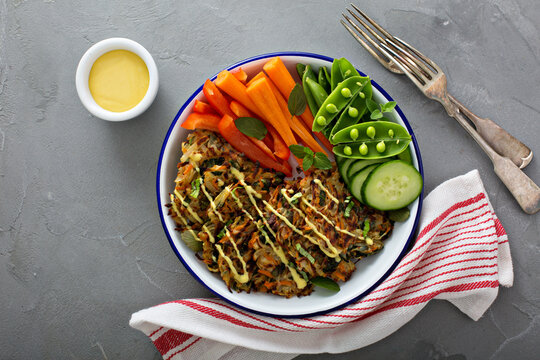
x,y
339,101
364,140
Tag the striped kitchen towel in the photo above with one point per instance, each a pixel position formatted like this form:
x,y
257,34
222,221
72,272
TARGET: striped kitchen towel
x,y
461,255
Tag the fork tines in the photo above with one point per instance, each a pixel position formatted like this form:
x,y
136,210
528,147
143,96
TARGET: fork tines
x,y
393,53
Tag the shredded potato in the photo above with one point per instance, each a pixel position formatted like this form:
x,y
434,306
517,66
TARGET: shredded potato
x,y
261,232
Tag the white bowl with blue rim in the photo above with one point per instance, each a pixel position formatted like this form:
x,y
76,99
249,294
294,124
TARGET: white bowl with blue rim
x,y
370,271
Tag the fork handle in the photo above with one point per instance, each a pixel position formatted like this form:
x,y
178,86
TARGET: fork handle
x,y
524,190
498,138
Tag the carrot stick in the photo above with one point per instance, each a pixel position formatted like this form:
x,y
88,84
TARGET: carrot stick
x,y
281,150
240,74
256,77
261,145
216,98
203,108
240,142
261,94
202,121
278,73
241,111
269,141
307,118
272,138
232,86
296,125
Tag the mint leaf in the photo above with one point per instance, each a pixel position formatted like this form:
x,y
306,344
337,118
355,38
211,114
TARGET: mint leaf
x,y
389,106
319,160
297,101
325,283
322,162
306,164
298,151
377,114
251,127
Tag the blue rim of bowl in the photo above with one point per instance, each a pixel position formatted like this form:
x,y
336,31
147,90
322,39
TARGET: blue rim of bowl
x,y
407,245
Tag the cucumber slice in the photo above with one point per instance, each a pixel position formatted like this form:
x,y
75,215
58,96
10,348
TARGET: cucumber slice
x,y
392,185
342,167
360,164
356,182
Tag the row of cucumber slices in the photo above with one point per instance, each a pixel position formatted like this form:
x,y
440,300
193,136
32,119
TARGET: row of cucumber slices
x,y
384,184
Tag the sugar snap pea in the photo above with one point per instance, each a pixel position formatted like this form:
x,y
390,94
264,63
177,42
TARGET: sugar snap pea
x,y
308,73
351,115
341,70
327,130
324,78
367,89
317,91
336,101
335,74
379,143
300,68
356,108
347,69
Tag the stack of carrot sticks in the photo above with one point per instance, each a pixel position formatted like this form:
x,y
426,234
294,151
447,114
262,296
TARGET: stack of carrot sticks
x,y
264,96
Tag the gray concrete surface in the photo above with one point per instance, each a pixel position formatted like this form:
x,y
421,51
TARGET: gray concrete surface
x,y
81,245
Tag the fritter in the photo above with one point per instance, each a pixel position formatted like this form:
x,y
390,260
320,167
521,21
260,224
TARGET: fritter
x,y
262,232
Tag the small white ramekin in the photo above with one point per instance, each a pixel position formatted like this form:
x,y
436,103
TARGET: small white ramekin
x,y
83,72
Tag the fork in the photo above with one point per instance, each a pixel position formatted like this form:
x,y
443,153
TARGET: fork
x,y
401,58
498,138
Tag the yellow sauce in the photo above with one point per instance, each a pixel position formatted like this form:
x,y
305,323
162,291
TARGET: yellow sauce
x,y
244,278
333,253
332,197
207,231
212,204
189,209
250,192
240,206
177,213
301,283
330,221
118,80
